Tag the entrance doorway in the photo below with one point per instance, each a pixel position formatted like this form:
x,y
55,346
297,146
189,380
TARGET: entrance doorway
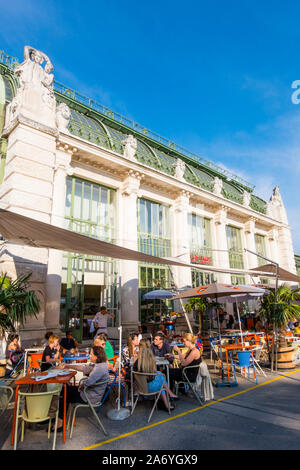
x,y
87,283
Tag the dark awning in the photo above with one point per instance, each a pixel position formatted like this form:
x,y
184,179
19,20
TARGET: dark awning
x,y
283,274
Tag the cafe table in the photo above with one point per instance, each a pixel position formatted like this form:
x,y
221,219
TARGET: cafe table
x,y
28,351
235,347
30,380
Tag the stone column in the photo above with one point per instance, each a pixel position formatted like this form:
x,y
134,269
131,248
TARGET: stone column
x,y
182,276
53,281
128,233
222,257
251,260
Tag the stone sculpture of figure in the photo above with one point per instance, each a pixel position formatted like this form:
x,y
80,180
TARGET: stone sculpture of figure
x,y
218,185
179,169
246,198
47,82
63,115
130,147
32,74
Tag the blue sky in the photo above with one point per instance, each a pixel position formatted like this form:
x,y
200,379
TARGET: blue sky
x,y
215,77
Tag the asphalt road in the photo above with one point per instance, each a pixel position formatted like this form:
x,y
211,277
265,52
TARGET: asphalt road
x,y
241,418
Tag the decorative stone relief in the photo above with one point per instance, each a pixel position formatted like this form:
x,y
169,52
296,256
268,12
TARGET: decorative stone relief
x,y
221,216
182,202
246,199
218,185
275,207
179,169
250,225
130,147
62,117
131,184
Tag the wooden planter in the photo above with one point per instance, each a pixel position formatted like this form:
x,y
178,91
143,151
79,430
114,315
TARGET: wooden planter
x,y
285,358
2,367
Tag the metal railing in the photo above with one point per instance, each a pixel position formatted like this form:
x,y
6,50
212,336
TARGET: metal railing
x,y
12,62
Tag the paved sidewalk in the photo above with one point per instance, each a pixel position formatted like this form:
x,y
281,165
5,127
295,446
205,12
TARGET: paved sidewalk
x,y
235,421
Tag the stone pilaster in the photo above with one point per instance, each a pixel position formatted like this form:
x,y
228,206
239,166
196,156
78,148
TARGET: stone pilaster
x,y
62,169
182,276
273,244
128,234
222,257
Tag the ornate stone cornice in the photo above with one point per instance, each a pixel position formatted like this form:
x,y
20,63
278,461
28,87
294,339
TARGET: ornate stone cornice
x,y
21,119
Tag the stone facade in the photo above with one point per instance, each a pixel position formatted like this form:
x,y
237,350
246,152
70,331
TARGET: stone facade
x,y
42,153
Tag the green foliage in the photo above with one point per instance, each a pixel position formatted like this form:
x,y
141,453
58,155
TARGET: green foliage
x,y
199,304
17,303
282,311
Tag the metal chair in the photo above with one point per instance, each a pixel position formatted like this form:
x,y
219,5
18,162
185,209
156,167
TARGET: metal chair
x,y
14,366
256,358
186,381
6,394
36,408
142,389
245,360
89,405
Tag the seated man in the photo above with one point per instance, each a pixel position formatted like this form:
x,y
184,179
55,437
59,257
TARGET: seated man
x,y
161,347
68,342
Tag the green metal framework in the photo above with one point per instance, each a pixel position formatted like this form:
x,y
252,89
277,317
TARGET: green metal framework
x,y
234,244
200,240
89,210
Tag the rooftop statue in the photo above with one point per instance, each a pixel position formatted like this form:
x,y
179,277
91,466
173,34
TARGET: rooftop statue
x,y
31,73
218,185
246,199
179,169
63,115
35,95
130,147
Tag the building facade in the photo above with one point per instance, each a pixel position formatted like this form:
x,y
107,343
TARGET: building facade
x,y
71,162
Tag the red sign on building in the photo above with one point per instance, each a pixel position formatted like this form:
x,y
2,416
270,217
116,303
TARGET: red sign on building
x,y
199,259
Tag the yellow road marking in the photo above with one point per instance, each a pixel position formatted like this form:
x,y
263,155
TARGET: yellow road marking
x,y
122,436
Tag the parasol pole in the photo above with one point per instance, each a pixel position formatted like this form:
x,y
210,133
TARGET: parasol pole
x,y
239,318
120,413
276,299
181,303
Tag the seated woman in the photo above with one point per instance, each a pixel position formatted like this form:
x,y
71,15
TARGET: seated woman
x,y
14,349
146,363
51,353
191,358
130,351
97,372
107,347
100,341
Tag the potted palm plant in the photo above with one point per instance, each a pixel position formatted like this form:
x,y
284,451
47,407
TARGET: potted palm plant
x,y
17,303
200,306
278,312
